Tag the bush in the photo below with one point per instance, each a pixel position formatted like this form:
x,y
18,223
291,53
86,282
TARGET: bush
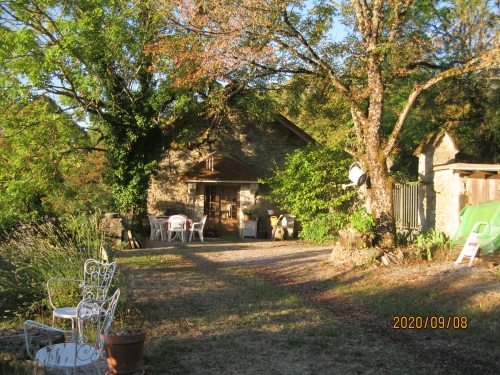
x,y
362,221
310,187
323,227
430,241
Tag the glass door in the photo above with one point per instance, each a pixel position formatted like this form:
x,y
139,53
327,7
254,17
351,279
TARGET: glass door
x,y
222,207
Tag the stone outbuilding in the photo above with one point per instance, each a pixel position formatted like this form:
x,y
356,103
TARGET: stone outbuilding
x,y
218,171
447,186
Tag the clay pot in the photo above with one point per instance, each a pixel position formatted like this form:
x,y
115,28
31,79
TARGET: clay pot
x,y
124,350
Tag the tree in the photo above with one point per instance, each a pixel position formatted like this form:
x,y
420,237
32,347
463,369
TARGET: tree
x,y
48,166
410,43
90,56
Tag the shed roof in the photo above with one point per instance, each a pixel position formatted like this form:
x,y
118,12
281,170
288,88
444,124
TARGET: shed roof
x,y
432,140
471,169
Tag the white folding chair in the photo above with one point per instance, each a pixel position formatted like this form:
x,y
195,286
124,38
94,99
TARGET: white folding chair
x,y
79,350
95,274
198,227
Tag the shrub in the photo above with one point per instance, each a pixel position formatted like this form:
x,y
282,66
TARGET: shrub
x,y
430,241
310,187
323,227
362,221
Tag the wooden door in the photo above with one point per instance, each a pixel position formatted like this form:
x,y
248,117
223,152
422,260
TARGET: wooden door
x,y
222,205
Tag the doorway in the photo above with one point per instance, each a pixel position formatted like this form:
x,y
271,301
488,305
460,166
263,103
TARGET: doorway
x,y
222,204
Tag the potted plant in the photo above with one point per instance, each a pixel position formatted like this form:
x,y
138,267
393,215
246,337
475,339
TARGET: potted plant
x,y
247,213
123,348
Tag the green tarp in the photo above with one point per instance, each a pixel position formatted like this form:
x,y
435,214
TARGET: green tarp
x,y
486,212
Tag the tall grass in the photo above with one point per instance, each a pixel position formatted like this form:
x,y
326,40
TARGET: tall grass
x,y
29,258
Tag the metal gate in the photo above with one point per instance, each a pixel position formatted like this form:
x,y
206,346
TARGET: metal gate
x,y
405,202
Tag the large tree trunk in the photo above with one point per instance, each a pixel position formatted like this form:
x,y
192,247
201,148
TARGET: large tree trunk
x,y
381,182
381,201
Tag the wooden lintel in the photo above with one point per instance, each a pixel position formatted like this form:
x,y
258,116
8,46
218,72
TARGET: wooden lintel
x,y
459,171
484,172
478,175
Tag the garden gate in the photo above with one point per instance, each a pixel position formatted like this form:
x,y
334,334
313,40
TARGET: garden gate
x,y
405,202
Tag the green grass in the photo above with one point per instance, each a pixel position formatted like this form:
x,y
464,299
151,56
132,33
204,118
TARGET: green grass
x,y
481,311
207,319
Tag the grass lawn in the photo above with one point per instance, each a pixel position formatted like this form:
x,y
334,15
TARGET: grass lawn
x,y
204,318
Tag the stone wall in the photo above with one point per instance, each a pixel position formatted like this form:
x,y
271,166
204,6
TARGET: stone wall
x,y
439,190
446,187
113,228
262,146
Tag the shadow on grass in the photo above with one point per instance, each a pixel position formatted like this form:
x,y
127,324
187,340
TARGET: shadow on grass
x,y
208,318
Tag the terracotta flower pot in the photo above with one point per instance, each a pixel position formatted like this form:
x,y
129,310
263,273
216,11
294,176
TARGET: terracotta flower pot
x,y
124,350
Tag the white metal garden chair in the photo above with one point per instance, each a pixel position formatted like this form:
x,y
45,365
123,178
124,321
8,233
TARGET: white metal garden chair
x,y
198,227
95,274
80,350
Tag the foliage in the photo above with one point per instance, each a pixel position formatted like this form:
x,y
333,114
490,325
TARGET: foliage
x,y
404,238
428,242
309,186
323,227
362,221
247,211
91,57
48,166
403,47
33,255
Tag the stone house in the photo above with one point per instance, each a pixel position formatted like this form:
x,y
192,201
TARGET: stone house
x,y
447,186
217,171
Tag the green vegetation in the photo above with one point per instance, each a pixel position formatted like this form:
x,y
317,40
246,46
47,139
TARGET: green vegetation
x,y
428,242
310,187
33,255
361,221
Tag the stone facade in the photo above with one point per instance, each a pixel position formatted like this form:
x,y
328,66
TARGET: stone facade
x,y
446,186
260,146
436,190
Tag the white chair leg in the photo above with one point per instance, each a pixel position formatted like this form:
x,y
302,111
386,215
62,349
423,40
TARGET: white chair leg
x,y
201,235
190,235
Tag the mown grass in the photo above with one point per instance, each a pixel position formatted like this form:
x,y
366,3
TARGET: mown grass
x,y
433,300
204,319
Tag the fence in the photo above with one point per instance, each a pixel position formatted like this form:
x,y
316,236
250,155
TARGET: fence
x,y
405,203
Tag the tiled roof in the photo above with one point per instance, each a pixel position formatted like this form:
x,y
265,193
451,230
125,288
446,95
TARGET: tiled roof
x,y
219,167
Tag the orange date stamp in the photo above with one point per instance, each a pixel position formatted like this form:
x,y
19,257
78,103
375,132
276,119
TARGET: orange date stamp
x,y
433,322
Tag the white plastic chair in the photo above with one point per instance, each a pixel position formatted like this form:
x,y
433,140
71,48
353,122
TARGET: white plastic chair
x,y
198,227
177,226
95,274
84,349
156,228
